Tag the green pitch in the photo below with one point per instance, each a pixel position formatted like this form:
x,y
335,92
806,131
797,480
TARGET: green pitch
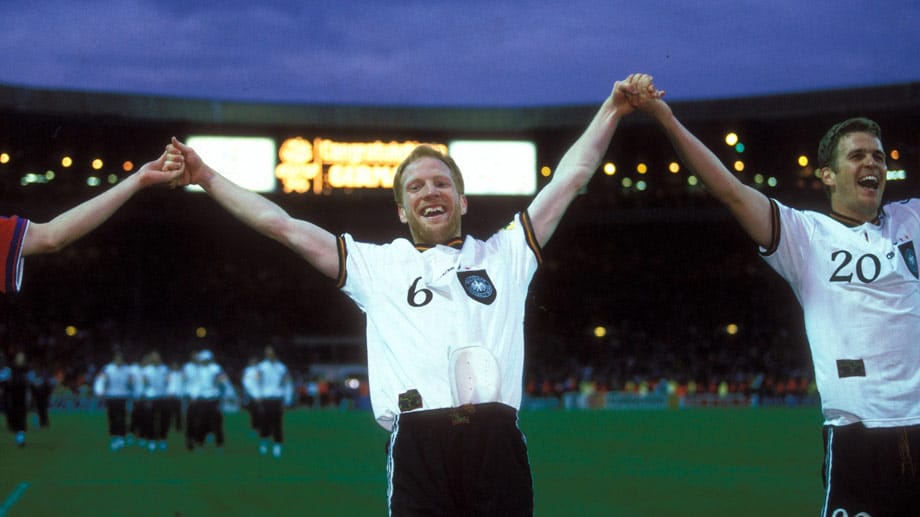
x,y
693,462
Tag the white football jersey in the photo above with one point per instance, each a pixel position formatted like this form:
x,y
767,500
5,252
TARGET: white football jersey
x,y
155,378
859,290
206,384
251,381
272,379
117,380
422,304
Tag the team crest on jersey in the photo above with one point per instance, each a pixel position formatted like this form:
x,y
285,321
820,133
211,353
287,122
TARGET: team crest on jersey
x,y
910,257
478,285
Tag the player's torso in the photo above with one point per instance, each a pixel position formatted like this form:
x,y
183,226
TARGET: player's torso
x,y
852,265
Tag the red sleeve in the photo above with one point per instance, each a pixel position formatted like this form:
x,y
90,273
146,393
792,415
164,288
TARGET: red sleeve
x,y
12,233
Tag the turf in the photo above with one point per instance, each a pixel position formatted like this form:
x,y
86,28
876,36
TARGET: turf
x,y
737,461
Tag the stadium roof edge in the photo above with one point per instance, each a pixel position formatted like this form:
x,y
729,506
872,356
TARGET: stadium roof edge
x,y
905,96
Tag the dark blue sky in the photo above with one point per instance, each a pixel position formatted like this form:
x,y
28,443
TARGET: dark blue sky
x,y
464,53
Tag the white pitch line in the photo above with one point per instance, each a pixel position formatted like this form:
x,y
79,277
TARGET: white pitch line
x,y
13,498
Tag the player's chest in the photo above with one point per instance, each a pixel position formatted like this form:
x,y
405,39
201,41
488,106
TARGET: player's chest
x,y
439,281
879,257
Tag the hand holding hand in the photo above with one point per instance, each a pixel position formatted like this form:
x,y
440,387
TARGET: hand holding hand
x,y
640,92
165,169
195,171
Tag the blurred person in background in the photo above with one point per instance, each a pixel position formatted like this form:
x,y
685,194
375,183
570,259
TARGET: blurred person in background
x,y
114,386
155,376
175,387
136,408
42,388
275,390
17,380
189,394
250,382
208,390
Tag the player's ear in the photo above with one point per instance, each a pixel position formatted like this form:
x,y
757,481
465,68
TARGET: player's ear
x,y
401,213
463,205
828,177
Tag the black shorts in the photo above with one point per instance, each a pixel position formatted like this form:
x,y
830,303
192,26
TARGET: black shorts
x,y
871,470
470,460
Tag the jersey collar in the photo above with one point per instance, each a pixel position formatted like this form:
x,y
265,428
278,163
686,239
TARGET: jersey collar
x,y
852,223
456,243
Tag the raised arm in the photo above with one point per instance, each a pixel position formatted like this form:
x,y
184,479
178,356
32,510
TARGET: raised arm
x,y
750,207
580,162
78,221
316,245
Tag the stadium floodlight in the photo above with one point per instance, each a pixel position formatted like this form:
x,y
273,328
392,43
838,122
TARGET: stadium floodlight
x,y
496,167
247,161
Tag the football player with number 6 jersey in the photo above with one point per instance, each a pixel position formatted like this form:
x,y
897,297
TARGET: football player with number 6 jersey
x,y
445,319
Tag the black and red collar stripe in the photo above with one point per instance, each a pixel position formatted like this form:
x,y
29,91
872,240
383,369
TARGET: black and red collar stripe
x,y
456,243
849,221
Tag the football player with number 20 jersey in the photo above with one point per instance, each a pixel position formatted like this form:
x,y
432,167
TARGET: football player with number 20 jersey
x,y
854,272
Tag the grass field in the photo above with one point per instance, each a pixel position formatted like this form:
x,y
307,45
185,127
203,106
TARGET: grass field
x,y
644,463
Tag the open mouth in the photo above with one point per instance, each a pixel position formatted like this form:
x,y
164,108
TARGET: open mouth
x,y
433,211
869,182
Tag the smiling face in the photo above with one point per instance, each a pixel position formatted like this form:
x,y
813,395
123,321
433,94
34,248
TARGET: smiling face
x,y
431,203
856,176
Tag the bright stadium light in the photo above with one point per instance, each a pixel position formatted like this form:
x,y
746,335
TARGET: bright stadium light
x,y
731,138
247,161
496,167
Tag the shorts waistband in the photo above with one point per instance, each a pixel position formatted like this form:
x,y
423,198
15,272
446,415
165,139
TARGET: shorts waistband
x,y
466,414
